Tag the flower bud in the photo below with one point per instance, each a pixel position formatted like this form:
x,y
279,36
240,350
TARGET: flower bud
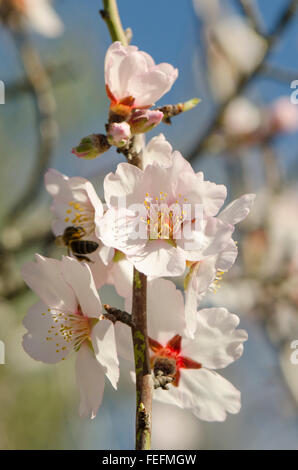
x,y
144,120
91,146
119,133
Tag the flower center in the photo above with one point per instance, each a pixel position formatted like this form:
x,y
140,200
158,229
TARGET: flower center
x,y
167,360
68,329
80,216
163,219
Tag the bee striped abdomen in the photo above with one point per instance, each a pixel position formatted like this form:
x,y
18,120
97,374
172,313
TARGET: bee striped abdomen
x,y
82,247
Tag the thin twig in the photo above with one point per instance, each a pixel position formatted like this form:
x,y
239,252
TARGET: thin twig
x,y
114,315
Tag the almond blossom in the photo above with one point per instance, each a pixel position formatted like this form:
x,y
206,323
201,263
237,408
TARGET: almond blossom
x,y
133,80
163,215
68,319
191,363
206,274
75,203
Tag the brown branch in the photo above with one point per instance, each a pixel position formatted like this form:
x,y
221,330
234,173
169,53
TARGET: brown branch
x,y
114,315
144,383
202,144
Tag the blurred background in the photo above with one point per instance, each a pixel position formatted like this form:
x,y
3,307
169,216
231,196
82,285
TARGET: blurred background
x,y
240,57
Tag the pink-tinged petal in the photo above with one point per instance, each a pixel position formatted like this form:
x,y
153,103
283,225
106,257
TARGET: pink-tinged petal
x,y
90,378
159,259
165,309
227,257
115,55
123,230
99,270
129,72
121,277
237,210
43,341
79,277
104,345
158,150
207,394
151,86
217,341
68,193
44,276
133,65
207,237
212,196
126,183
198,281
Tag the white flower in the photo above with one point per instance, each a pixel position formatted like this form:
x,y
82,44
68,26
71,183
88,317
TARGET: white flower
x,y
68,319
192,363
206,273
75,203
159,227
133,80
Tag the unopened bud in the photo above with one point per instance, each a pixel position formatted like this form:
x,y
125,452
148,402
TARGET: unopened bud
x,y
172,110
91,146
119,133
144,120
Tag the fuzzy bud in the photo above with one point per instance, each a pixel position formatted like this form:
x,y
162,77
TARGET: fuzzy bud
x,y
144,120
119,133
91,146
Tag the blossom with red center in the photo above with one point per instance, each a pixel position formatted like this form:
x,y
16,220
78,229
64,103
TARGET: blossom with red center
x,y
168,359
133,80
191,362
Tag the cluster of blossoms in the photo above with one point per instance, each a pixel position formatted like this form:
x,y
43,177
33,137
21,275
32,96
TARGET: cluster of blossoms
x,y
161,218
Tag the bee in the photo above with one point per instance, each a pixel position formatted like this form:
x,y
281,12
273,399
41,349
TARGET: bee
x,y
72,239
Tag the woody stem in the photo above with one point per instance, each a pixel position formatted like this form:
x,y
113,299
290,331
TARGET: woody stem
x,y
144,382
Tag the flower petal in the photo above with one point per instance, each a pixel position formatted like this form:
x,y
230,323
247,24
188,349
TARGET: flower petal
x,y
90,378
45,278
237,210
79,277
218,342
103,341
207,394
158,259
43,342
